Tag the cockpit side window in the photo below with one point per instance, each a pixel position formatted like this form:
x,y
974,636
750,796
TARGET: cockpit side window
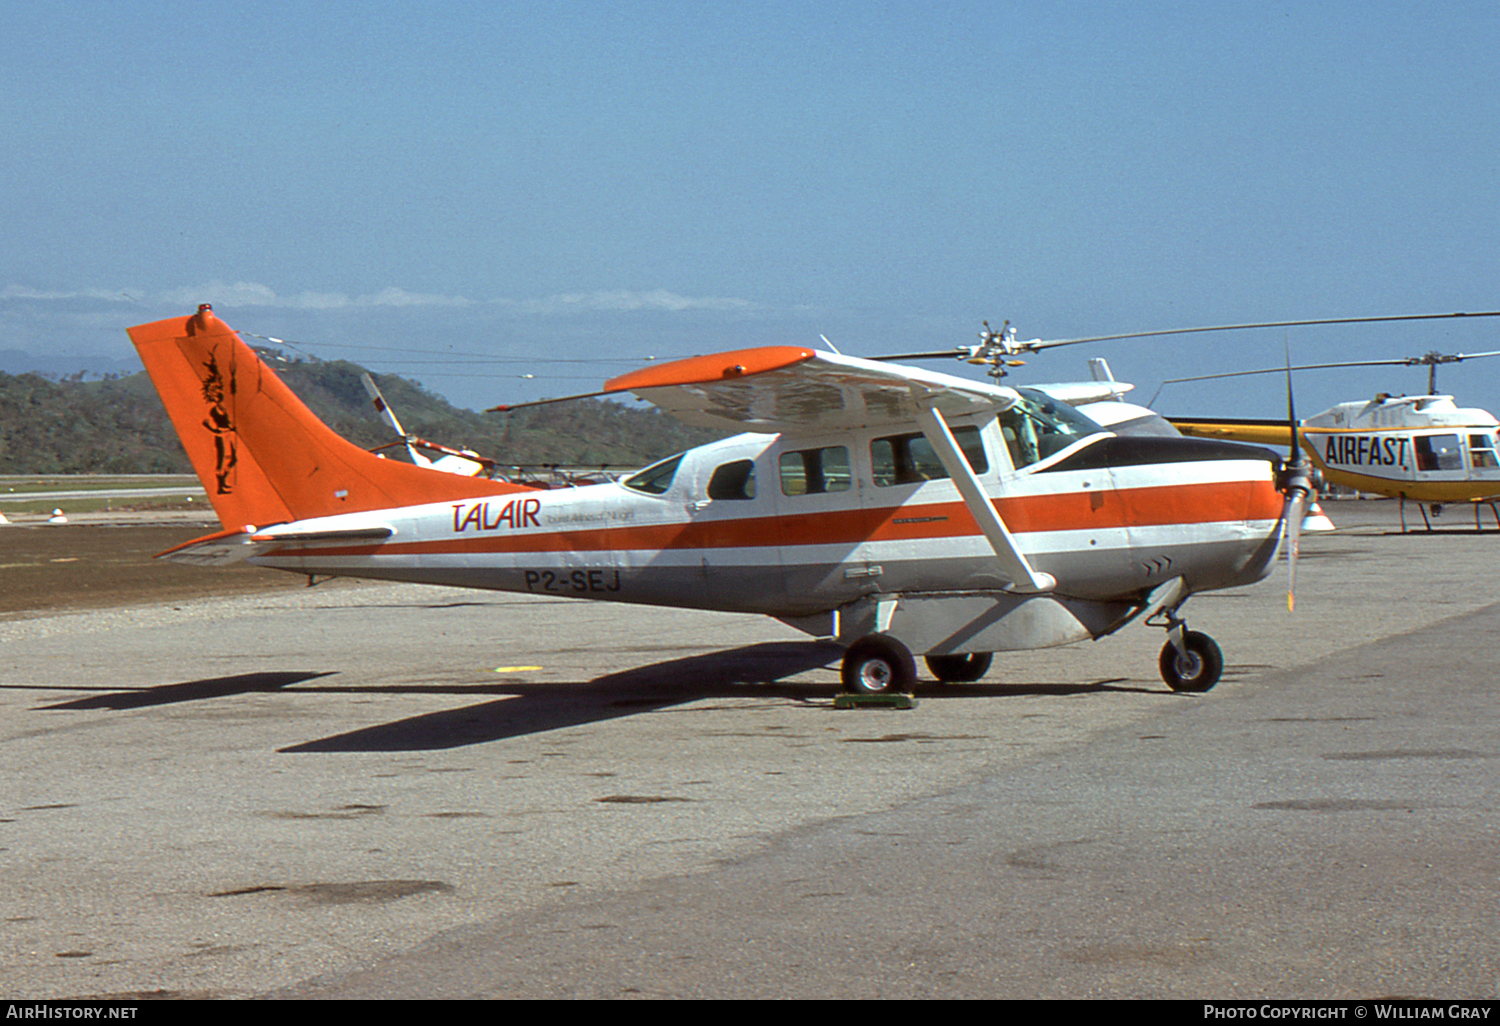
x,y
814,471
1438,452
734,480
1039,426
1482,452
655,479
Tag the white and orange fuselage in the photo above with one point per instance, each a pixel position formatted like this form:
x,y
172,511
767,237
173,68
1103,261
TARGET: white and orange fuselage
x,y
831,524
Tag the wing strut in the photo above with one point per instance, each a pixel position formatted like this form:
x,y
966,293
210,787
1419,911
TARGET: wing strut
x,y
1012,562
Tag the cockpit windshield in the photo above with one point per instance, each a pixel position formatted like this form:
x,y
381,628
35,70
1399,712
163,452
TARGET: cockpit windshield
x,y
1039,425
655,479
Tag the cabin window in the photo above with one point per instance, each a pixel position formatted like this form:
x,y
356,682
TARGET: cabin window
x,y
909,459
733,481
1482,452
1039,426
814,471
655,479
1438,452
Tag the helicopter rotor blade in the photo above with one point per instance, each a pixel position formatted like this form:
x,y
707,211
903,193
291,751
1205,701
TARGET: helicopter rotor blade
x,y
1429,360
1050,343
997,343
955,353
1283,370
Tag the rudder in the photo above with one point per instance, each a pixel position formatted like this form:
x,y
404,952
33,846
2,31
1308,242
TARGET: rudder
x,y
262,455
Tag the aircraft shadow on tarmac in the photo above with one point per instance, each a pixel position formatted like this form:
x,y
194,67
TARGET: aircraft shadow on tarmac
x,y
192,690
752,671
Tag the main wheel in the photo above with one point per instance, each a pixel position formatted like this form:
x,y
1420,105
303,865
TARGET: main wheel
x,y
1196,670
878,664
958,669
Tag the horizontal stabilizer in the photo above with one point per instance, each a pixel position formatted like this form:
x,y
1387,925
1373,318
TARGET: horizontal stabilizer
x,y
222,549
229,547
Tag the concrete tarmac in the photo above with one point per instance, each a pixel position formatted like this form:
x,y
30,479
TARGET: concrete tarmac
x,y
396,791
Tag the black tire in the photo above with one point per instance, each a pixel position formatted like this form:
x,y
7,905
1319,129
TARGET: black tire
x,y
878,664
1198,670
958,669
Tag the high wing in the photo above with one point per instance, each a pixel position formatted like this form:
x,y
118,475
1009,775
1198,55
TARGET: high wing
x,y
793,390
790,390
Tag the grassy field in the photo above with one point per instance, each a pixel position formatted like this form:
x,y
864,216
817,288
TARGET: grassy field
x,y
43,493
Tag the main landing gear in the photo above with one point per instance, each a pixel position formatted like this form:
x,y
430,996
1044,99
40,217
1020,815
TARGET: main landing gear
x,y
878,664
958,669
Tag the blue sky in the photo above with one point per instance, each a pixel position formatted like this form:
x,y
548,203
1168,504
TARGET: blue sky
x,y
468,192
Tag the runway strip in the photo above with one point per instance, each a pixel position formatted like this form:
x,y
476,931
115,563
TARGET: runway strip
x,y
225,797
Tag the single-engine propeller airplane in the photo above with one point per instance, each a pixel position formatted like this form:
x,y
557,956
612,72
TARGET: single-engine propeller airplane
x,y
899,511
1423,448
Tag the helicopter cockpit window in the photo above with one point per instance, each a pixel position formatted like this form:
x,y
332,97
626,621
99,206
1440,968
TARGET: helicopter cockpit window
x,y
1482,452
1038,426
1438,452
655,479
814,471
908,459
733,481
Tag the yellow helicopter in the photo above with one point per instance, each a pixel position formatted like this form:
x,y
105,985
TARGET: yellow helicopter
x,y
1423,448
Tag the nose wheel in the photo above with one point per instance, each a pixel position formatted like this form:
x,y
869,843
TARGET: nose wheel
x,y
1197,666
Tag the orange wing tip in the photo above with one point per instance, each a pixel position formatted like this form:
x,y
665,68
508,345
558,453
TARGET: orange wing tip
x,y
701,370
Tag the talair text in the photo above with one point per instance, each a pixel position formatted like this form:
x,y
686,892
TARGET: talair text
x,y
515,514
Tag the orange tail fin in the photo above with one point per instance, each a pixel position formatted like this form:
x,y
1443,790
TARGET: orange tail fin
x,y
262,455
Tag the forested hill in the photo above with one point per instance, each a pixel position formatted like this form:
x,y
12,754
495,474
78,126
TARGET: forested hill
x,y
118,426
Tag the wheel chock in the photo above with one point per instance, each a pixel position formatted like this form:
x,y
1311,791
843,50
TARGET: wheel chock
x,y
847,700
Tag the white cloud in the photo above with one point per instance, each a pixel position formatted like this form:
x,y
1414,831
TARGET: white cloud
x,y
400,297
220,294
241,294
625,299
24,292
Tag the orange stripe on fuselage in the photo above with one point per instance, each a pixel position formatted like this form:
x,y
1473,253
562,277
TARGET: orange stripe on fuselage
x,y
1070,511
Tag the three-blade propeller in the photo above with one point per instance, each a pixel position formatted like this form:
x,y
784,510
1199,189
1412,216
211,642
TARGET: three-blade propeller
x,y
1297,485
